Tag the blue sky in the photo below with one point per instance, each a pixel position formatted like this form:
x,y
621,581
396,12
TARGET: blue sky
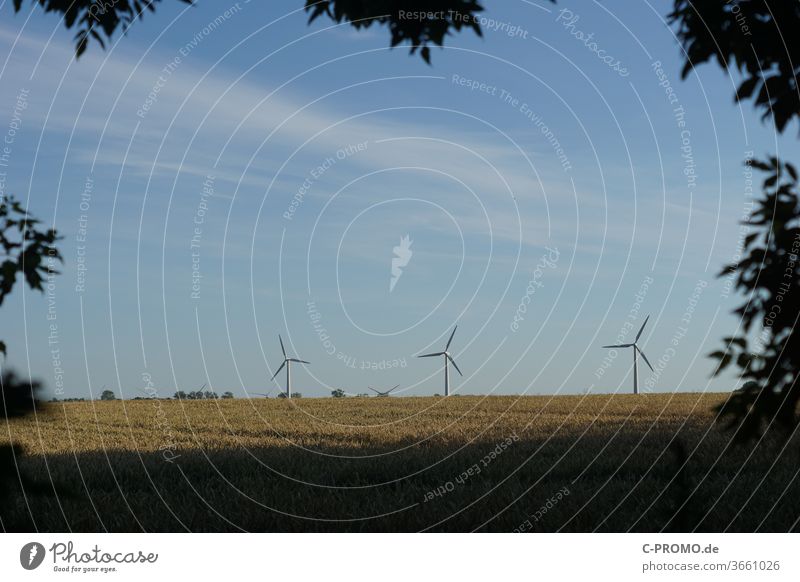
x,y
524,168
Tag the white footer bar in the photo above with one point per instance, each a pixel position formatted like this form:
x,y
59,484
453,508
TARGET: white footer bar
x,y
400,557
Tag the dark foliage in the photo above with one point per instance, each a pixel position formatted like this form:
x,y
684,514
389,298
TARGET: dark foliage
x,y
420,23
99,20
27,249
757,37
18,399
767,351
96,19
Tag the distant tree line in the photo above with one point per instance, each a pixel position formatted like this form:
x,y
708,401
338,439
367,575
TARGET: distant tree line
x,y
294,395
180,395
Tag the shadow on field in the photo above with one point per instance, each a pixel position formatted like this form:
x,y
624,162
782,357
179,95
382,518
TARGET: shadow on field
x,y
562,484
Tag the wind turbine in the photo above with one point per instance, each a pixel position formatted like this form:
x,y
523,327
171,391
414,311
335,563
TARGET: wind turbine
x,y
636,350
287,361
267,395
207,393
448,359
383,394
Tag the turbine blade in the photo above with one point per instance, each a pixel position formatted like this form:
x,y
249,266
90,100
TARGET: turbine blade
x,y
641,353
452,361
431,355
282,348
619,346
394,388
298,361
451,339
278,370
638,335
373,389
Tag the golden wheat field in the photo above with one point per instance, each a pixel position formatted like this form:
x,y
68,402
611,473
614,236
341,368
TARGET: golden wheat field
x,y
563,463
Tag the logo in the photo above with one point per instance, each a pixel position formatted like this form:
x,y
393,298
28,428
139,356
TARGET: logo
x,y
402,255
31,555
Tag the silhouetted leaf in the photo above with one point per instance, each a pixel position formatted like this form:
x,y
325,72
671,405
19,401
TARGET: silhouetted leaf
x,y
426,54
746,88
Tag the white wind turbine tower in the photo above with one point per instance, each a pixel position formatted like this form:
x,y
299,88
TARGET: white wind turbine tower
x,y
287,361
636,350
448,359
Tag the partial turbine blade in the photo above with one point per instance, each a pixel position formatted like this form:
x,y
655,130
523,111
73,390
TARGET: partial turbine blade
x,y
452,361
394,388
645,358
451,339
373,389
619,346
282,348
431,355
278,370
298,361
638,335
